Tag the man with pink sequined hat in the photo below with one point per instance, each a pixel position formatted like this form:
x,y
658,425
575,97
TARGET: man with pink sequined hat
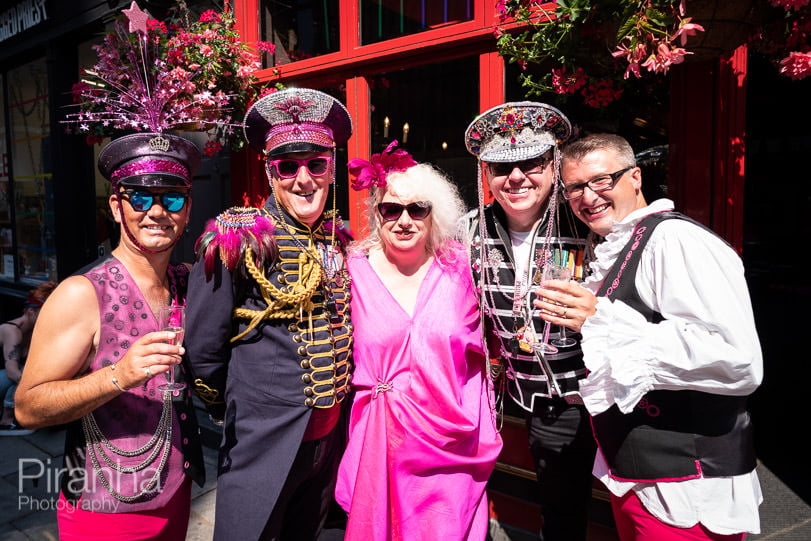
x,y
269,330
100,358
132,449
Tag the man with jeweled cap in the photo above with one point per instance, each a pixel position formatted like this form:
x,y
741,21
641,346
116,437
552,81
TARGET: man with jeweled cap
x,y
269,331
514,240
98,358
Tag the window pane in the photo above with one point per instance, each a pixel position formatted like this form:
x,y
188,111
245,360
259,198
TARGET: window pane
x,y
6,253
386,19
106,227
299,29
31,167
427,109
641,116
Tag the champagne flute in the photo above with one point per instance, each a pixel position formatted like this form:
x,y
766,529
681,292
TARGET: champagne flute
x,y
561,272
173,318
551,271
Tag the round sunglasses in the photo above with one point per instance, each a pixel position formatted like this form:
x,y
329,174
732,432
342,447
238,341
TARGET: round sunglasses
x,y
419,210
141,200
289,167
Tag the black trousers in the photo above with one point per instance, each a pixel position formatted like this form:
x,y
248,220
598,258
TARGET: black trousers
x,y
308,492
563,447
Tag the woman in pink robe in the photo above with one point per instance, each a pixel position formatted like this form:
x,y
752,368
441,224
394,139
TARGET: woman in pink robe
x,y
422,436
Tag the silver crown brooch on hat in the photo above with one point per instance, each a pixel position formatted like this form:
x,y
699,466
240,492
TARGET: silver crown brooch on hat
x,y
159,143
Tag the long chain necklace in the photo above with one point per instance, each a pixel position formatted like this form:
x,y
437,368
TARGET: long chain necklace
x,y
491,282
99,445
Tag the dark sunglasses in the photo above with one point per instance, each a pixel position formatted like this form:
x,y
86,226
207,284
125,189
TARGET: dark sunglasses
x,y
528,167
418,210
289,167
142,201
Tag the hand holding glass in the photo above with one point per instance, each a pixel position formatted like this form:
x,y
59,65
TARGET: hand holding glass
x,y
557,272
173,318
552,271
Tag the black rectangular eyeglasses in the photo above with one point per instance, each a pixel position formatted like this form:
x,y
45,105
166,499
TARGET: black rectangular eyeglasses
x,y
598,184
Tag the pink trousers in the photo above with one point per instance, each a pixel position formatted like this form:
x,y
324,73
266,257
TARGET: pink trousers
x,y
635,523
169,523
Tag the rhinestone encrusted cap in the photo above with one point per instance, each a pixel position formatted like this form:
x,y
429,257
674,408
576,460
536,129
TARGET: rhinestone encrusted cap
x,y
297,115
516,131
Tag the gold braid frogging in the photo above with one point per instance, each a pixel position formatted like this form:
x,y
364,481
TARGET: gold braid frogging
x,y
281,303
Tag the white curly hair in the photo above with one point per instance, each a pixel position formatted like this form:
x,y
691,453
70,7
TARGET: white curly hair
x,y
422,182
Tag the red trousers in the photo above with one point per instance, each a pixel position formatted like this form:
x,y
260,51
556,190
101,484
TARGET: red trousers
x,y
635,523
168,523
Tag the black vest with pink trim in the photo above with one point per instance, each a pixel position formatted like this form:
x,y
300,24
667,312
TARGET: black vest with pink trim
x,y
670,435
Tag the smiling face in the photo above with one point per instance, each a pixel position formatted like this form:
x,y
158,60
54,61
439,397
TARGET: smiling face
x,y
404,235
305,195
156,228
599,210
522,189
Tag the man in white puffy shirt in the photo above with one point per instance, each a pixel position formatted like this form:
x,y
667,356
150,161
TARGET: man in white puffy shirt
x,y
670,343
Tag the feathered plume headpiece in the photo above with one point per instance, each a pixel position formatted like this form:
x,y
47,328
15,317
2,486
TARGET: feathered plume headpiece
x,y
153,77
374,172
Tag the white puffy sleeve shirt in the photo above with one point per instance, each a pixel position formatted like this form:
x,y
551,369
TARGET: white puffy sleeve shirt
x,y
707,342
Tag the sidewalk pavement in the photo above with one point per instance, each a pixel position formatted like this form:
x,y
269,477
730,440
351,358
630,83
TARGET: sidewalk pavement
x,y
29,489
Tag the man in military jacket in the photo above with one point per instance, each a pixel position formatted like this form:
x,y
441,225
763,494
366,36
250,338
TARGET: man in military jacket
x,y
269,335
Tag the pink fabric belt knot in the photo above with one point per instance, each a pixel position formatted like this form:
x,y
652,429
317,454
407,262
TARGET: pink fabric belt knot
x,y
382,387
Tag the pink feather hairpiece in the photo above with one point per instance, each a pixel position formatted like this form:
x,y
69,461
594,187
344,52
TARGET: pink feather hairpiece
x,y
374,172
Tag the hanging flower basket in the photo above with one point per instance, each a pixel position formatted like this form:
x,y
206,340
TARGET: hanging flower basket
x,y
727,25
598,48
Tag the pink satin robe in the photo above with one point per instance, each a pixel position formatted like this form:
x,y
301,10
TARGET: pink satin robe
x,y
422,436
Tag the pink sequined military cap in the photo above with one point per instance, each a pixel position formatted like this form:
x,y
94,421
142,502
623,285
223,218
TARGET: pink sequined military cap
x,y
297,120
152,160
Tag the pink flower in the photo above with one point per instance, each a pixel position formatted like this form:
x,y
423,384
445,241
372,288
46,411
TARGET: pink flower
x,y
632,69
501,9
796,65
665,56
687,29
209,15
565,83
206,50
265,47
789,4
633,57
600,93
154,24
